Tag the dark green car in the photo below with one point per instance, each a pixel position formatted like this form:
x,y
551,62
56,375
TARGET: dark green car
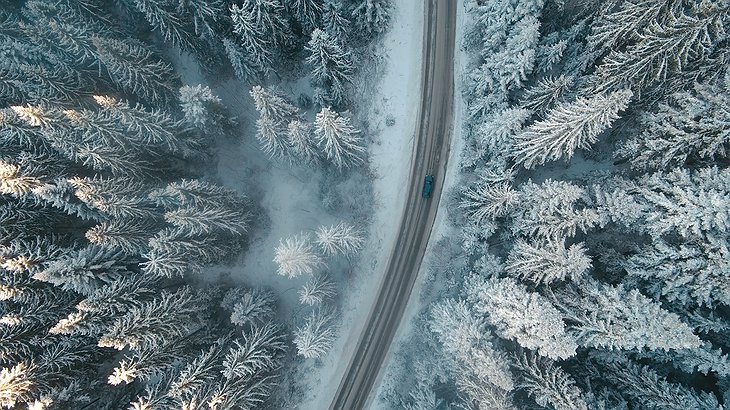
x,y
427,186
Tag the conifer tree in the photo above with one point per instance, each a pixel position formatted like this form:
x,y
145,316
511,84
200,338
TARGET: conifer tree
x,y
340,140
567,128
339,239
295,256
163,16
612,317
317,290
316,336
332,65
372,16
548,262
524,316
334,20
547,383
136,70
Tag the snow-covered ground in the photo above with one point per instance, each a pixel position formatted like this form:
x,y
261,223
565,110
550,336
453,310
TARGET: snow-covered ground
x,y
395,371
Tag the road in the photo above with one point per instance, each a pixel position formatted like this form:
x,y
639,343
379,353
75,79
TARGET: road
x,y
431,151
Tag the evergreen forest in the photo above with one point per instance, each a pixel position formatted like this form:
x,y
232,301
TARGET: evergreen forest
x,y
111,215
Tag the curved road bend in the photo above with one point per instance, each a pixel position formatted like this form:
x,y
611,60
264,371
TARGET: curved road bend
x,y
431,153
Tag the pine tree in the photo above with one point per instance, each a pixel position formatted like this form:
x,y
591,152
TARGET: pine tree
x,y
15,384
307,12
332,65
567,128
204,220
261,30
552,210
546,93
253,307
341,142
334,20
524,316
276,112
693,125
547,262
650,390
174,27
547,383
339,239
295,256
690,274
198,103
612,317
372,16
137,70
489,201
665,49
128,235
84,270
244,69
171,316
195,193
316,336
463,335
317,290
301,141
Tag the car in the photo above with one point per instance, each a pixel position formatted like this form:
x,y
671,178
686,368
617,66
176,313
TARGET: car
x,y
427,186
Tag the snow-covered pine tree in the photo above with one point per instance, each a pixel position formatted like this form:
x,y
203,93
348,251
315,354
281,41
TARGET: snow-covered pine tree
x,y
487,200
198,104
302,142
162,15
331,63
275,114
568,127
548,262
547,383
129,235
137,70
644,386
196,193
339,139
334,20
262,30
317,290
307,12
524,316
210,219
546,93
252,307
372,16
315,337
552,210
85,270
295,256
342,238
665,49
691,126
244,69
613,317
171,316
464,337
